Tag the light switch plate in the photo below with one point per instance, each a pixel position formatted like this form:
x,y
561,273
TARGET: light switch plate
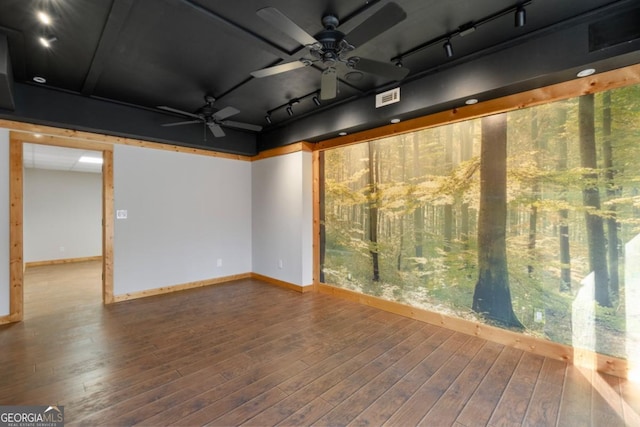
x,y
121,214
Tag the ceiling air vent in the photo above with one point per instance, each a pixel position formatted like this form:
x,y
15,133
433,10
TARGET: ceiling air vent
x,y
389,97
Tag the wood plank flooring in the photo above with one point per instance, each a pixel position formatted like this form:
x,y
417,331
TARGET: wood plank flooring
x,y
248,353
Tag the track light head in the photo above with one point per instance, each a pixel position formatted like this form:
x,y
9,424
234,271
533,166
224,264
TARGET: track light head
x,y
448,48
289,110
316,100
520,17
47,40
268,119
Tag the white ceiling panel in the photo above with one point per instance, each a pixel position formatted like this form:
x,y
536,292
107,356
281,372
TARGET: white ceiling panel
x,y
59,158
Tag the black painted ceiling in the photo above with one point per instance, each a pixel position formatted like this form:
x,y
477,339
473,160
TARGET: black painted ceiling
x,y
147,53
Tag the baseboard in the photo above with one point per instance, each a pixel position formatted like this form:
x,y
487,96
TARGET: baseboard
x,y
61,261
282,284
181,287
583,358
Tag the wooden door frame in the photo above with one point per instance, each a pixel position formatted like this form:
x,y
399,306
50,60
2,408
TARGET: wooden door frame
x,y
16,213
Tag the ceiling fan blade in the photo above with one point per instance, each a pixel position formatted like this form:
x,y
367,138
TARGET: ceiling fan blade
x,y
385,18
182,123
277,69
383,69
282,22
241,125
216,130
329,84
175,110
225,112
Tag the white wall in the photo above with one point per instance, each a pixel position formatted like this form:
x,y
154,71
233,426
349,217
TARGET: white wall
x,y
62,215
184,213
283,218
4,222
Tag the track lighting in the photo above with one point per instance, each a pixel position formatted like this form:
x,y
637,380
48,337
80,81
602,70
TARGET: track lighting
x,y
520,20
465,30
448,48
44,17
46,41
520,17
288,107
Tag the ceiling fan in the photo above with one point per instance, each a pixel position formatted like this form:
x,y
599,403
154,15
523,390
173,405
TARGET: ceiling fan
x,y
212,118
331,46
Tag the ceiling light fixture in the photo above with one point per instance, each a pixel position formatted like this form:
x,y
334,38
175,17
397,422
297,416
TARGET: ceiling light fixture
x,y
520,17
343,133
586,72
39,79
448,48
471,101
44,17
394,121
467,29
93,160
288,107
47,40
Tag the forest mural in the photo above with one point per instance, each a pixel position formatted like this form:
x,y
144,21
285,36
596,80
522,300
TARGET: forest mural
x,y
528,220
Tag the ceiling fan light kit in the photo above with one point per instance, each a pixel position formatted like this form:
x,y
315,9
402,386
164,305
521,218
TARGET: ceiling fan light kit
x,y
211,118
330,47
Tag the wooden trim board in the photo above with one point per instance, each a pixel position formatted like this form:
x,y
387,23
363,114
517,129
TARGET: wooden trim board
x,y
582,86
16,260
16,196
175,288
282,284
62,261
606,364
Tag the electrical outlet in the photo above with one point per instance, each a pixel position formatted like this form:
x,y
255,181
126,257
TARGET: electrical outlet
x,y
219,263
61,248
539,316
280,264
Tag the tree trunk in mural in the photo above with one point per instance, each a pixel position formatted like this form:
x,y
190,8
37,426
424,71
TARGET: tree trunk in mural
x,y
466,141
418,213
591,201
563,229
492,296
612,222
374,160
535,194
321,211
448,207
403,160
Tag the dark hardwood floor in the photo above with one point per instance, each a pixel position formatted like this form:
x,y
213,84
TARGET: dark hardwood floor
x,y
247,353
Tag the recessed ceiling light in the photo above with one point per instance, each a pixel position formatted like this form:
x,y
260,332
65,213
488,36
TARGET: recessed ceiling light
x,y
94,160
342,133
586,72
37,135
471,101
39,79
394,121
44,17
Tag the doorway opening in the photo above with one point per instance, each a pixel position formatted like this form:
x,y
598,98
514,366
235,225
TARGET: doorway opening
x,y
62,232
27,149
